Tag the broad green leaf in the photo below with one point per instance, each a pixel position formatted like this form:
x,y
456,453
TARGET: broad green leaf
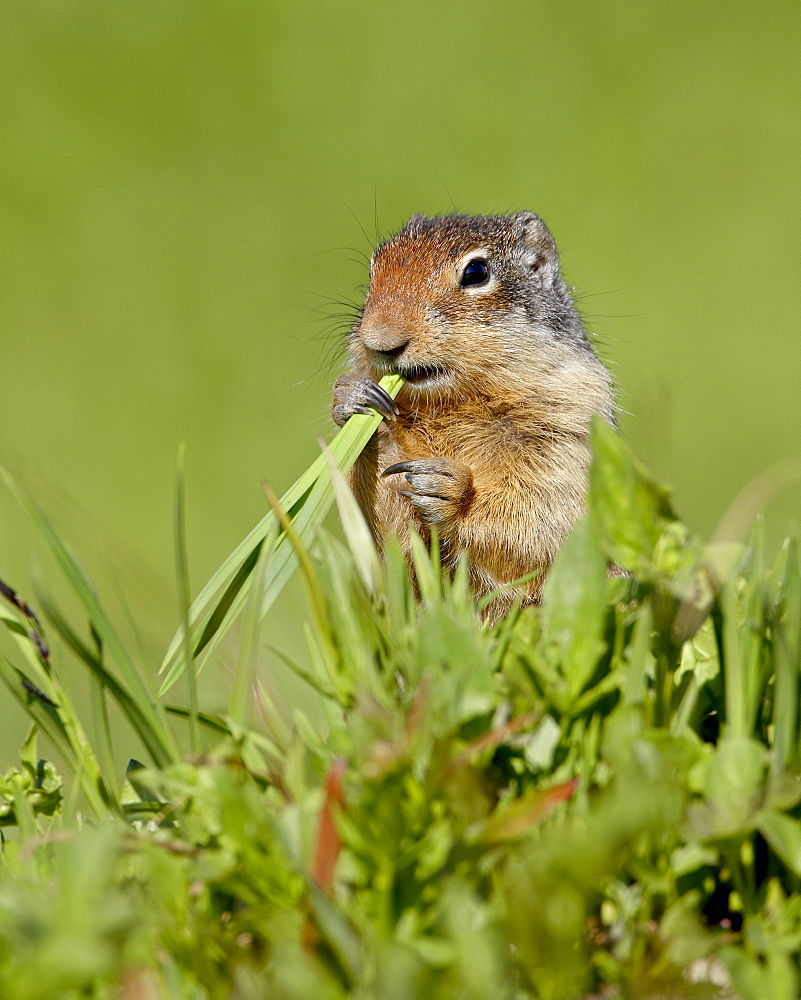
x,y
574,606
733,788
783,833
628,507
776,980
749,978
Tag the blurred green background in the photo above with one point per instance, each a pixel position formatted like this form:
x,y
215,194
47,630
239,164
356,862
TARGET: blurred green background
x,y
184,189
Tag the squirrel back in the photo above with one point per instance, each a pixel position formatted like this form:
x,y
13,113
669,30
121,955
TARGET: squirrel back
x,y
488,439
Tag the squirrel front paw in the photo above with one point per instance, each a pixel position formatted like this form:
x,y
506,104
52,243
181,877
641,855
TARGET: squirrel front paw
x,y
441,488
353,394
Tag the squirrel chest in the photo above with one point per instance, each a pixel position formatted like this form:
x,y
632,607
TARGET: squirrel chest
x,y
487,440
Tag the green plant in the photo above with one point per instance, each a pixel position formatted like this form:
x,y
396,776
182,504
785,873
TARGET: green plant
x,y
598,794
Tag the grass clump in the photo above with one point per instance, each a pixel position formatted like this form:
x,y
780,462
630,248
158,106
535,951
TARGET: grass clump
x,y
599,796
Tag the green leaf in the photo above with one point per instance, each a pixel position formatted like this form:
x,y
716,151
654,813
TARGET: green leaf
x,y
749,979
637,658
628,507
787,647
783,833
37,780
733,788
182,572
574,607
777,980
338,933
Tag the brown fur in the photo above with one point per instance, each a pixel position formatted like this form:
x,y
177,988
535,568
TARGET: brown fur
x,y
502,386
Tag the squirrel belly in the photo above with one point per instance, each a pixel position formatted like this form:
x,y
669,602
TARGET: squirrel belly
x,y
487,442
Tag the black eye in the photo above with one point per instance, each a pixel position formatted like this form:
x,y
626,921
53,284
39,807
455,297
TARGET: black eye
x,y
476,272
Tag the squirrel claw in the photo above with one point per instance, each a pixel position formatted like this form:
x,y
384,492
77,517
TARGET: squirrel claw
x,y
440,488
422,500
413,467
360,395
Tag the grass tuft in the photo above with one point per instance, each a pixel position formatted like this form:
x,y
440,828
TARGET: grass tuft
x,y
600,796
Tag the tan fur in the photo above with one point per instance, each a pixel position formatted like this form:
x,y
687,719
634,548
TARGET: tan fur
x,y
513,386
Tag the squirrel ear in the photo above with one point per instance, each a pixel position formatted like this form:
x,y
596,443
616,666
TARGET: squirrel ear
x,y
540,247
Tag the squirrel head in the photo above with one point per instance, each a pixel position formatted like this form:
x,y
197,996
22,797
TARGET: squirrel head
x,y
464,304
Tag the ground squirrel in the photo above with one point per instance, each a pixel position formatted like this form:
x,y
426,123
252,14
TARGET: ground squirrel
x,y
487,441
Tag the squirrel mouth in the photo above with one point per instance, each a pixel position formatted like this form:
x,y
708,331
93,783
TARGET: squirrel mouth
x,y
421,376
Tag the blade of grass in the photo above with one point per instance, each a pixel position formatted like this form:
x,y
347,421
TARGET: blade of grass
x,y
505,588
229,599
220,600
182,572
239,706
117,690
281,562
634,687
38,669
426,568
39,706
305,675
357,532
224,615
275,716
97,690
70,812
753,635
787,646
209,721
83,588
305,525
314,592
731,660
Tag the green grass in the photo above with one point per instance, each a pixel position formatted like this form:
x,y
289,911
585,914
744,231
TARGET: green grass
x,y
600,795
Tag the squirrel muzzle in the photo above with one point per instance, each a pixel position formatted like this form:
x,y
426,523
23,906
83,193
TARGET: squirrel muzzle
x,y
384,336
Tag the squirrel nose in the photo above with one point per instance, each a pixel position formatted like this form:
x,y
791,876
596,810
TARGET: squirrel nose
x,y
383,342
384,359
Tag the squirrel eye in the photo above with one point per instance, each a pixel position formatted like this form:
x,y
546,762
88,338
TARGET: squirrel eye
x,y
476,272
